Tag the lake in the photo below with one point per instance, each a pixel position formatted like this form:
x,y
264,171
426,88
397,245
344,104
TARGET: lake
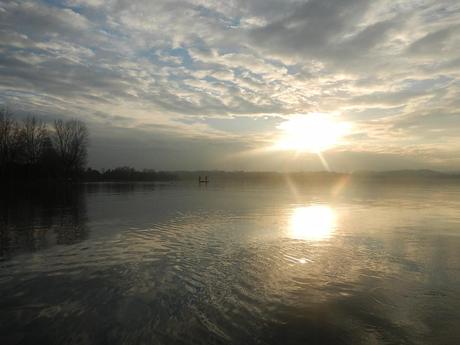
x,y
239,263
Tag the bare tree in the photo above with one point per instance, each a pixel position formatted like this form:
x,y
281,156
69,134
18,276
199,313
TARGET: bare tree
x,y
8,137
33,134
71,141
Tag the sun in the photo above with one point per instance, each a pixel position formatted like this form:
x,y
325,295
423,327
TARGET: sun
x,y
314,133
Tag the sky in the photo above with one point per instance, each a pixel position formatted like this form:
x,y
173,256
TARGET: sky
x,y
194,84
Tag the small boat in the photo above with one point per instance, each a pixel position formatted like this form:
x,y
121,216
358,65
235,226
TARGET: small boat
x,y
205,180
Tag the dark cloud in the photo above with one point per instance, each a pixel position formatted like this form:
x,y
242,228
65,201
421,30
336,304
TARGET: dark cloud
x,y
312,28
38,20
433,43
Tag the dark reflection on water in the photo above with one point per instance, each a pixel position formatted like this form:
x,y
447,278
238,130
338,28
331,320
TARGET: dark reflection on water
x,y
180,264
37,217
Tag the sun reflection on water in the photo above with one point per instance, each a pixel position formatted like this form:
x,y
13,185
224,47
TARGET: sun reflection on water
x,y
312,223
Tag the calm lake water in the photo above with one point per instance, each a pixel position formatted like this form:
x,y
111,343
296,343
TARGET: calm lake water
x,y
231,264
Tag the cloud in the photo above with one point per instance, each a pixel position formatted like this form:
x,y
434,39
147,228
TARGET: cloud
x,y
311,28
175,66
434,43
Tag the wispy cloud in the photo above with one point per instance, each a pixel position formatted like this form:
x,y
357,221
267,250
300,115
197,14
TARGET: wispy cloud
x,y
171,69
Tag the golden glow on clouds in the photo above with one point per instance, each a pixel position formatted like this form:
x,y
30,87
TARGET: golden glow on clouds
x,y
314,133
312,223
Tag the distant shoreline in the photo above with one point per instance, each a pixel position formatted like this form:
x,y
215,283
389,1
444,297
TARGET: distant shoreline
x,y
126,175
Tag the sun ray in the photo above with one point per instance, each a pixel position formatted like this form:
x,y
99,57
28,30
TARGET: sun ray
x,y
324,161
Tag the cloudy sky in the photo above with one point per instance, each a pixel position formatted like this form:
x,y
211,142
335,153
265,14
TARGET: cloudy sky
x,y
197,84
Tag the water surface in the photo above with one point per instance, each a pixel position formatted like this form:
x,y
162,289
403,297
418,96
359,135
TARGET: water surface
x,y
231,264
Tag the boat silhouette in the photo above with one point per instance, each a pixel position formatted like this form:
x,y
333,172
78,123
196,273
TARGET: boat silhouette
x,y
205,180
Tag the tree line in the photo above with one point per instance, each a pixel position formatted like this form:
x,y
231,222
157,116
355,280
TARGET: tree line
x,y
127,174
31,149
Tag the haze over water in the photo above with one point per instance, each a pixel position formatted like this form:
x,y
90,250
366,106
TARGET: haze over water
x,y
231,264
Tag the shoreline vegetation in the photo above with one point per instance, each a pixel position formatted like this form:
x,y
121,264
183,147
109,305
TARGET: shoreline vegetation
x,y
127,174
34,151
131,175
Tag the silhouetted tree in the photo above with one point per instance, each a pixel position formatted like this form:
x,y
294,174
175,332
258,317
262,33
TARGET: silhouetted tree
x,y
32,135
71,140
128,174
30,150
49,160
8,140
92,175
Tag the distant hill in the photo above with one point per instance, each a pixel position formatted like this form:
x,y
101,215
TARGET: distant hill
x,y
423,174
